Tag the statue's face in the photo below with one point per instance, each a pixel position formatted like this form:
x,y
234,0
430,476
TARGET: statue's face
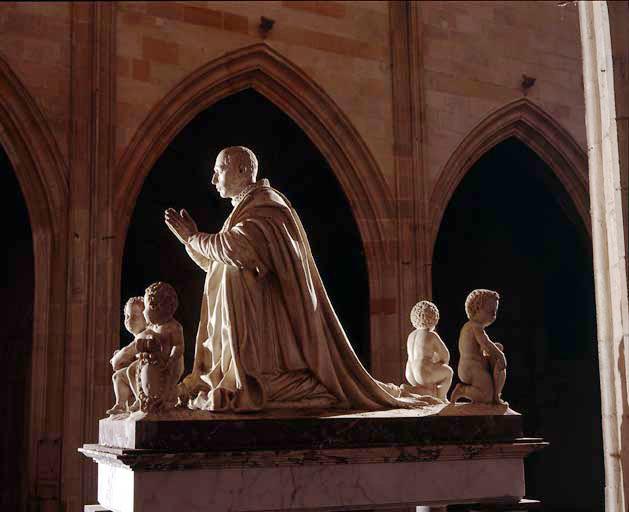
x,y
151,313
134,319
489,311
153,316
227,178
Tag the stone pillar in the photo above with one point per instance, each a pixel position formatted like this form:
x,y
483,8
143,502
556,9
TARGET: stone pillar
x,y
414,279
609,237
91,321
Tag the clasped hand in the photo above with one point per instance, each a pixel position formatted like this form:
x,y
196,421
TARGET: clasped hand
x,y
181,224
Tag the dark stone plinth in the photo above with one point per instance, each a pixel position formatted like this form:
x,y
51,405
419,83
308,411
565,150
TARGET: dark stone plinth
x,y
169,460
201,431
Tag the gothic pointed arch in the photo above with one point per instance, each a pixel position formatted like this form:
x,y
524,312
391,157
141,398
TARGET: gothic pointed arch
x,y
40,170
25,135
261,68
530,124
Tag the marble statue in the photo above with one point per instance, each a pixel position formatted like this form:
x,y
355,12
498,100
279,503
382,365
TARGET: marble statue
x,y
124,361
160,350
482,365
268,336
427,368
146,371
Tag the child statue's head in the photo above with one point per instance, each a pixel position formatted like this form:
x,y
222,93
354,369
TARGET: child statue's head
x,y
160,300
134,320
482,306
424,315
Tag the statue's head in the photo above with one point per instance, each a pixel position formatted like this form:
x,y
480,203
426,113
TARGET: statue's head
x,y
236,167
424,315
482,306
160,303
134,320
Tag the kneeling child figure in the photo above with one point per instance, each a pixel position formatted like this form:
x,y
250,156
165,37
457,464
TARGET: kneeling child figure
x,y
482,363
427,367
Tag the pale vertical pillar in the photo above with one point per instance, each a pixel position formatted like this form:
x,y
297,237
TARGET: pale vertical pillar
x,y
609,244
91,319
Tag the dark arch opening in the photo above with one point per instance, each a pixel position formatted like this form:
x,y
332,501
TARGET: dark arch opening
x,y
292,163
511,227
17,298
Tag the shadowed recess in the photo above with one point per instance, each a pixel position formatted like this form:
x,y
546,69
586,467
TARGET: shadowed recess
x,y
181,179
16,297
511,227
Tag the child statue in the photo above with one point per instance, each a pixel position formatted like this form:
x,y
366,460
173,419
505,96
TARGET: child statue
x,y
482,363
124,361
427,367
160,350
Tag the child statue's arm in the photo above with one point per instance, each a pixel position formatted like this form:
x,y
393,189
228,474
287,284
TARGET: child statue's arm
x,y
177,343
441,351
409,357
489,347
124,357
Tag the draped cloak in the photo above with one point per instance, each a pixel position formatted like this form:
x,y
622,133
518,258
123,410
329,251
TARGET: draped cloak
x,y
268,335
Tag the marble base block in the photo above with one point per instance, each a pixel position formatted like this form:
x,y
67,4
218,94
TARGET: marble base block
x,y
339,461
309,487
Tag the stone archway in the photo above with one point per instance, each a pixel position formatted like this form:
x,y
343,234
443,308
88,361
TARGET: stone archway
x,y
516,232
263,69
527,122
40,170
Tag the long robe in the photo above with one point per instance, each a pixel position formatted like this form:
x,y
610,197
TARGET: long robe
x,y
268,335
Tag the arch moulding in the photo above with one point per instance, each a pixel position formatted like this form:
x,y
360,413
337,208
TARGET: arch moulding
x,y
41,173
531,125
263,69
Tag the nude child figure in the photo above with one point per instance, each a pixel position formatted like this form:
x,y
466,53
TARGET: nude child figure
x,y
427,367
124,361
482,363
160,350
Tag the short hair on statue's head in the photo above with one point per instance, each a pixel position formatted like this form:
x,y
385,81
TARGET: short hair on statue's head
x,y
243,158
135,301
476,299
162,297
424,315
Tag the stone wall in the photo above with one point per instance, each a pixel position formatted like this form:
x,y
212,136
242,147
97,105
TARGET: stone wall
x,y
35,41
342,46
474,55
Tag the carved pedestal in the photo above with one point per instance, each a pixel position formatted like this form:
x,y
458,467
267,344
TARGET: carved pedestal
x,y
280,461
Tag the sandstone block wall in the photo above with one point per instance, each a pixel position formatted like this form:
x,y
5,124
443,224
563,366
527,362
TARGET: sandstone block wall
x,y
474,55
35,40
343,46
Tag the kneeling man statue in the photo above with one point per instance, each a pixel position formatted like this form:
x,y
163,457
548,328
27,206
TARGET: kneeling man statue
x,y
268,336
